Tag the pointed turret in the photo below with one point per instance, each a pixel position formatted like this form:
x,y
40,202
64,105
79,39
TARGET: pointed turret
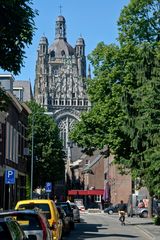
x,y
80,53
89,71
43,45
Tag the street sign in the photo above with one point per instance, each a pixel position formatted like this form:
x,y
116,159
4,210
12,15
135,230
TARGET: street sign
x,y
48,187
10,177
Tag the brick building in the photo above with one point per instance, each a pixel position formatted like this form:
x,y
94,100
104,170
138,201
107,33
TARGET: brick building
x,y
13,146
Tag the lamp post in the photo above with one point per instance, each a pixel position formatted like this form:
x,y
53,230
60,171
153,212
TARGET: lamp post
x,y
32,158
32,150
70,146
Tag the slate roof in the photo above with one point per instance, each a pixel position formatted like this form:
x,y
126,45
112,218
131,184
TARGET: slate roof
x,y
26,85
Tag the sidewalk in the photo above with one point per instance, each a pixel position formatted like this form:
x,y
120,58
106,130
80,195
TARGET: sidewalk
x,y
146,225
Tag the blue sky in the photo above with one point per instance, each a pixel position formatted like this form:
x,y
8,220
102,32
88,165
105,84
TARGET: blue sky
x,y
94,20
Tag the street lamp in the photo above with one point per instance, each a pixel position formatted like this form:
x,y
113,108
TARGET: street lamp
x,y
32,149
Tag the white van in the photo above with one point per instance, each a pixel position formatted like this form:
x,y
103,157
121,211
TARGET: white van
x,y
132,204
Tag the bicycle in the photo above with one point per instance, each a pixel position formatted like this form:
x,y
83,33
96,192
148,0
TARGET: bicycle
x,y
122,217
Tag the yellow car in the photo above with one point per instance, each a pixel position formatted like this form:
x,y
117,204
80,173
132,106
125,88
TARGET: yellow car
x,y
48,208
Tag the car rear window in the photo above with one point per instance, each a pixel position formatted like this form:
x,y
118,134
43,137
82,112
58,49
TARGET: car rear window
x,y
66,209
29,221
44,207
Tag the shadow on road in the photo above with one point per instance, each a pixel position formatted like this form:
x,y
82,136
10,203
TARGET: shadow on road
x,y
84,230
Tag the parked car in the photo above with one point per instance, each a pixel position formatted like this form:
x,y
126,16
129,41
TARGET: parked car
x,y
11,230
143,212
48,208
80,205
32,222
76,212
65,220
113,208
68,210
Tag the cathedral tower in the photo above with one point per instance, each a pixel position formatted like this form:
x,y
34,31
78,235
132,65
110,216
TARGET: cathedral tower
x,y
59,83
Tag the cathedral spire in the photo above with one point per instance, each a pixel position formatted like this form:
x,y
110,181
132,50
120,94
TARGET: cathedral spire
x,y
89,71
60,28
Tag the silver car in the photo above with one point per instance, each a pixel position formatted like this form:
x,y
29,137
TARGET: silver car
x,y
32,222
76,212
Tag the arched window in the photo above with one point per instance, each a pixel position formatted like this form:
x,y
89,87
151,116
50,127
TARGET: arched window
x,y
63,53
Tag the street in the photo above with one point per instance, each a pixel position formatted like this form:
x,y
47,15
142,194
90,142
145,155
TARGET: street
x,y
104,226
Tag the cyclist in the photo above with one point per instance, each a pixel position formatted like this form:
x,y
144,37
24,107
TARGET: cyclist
x,y
121,211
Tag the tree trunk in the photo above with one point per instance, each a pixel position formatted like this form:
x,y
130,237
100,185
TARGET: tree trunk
x,y
150,207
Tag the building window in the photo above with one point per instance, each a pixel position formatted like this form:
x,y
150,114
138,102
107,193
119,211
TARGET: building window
x,y
86,102
63,53
18,93
86,162
97,198
105,176
74,102
52,54
68,102
80,102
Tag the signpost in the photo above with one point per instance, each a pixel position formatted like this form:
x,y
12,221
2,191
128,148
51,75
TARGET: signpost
x,y
9,179
48,188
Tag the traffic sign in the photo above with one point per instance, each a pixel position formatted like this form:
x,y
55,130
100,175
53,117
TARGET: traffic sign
x,y
10,177
48,187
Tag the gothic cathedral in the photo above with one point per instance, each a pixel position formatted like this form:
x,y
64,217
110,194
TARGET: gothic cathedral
x,y
60,84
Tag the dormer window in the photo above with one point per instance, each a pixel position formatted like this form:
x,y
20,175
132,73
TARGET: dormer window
x,y
52,54
63,53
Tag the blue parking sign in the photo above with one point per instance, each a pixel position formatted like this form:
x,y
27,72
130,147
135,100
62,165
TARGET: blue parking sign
x,y
48,187
10,177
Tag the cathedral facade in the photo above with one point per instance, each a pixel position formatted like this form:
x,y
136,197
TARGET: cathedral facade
x,y
60,83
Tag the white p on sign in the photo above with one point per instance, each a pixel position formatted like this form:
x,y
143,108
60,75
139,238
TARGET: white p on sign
x,y
10,177
48,187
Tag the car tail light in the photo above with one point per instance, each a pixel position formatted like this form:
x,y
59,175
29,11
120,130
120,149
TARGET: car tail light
x,y
54,226
43,229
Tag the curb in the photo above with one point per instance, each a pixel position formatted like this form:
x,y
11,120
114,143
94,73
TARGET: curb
x,y
94,211
146,232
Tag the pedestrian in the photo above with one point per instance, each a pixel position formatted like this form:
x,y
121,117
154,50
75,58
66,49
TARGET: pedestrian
x,y
121,211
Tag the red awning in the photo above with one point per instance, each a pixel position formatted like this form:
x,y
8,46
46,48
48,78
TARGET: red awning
x,y
86,192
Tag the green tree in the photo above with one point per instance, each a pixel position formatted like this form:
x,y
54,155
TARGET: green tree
x,y
4,100
139,28
16,32
143,119
139,22
101,125
125,95
48,149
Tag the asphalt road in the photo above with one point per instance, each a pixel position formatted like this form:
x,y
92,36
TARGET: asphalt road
x,y
103,226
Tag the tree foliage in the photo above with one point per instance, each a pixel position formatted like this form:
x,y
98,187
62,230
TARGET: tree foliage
x,y
125,95
16,32
48,150
143,118
4,100
139,22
